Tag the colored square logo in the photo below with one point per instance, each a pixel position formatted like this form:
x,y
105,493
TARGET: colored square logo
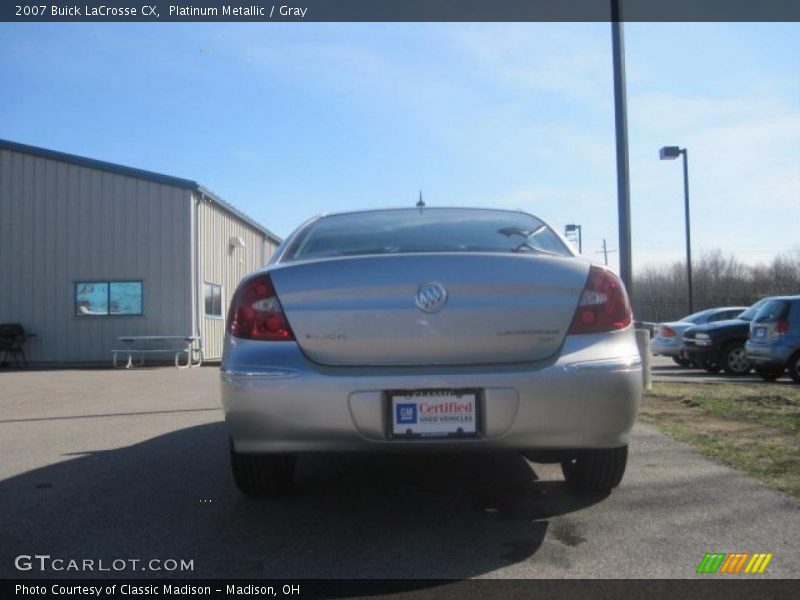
x,y
406,414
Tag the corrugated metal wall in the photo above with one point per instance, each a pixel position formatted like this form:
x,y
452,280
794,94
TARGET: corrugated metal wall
x,y
61,223
225,265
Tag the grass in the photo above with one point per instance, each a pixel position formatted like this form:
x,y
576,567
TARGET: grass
x,y
753,428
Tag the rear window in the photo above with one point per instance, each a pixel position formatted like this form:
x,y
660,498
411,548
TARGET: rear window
x,y
426,230
732,314
773,311
751,312
724,315
696,317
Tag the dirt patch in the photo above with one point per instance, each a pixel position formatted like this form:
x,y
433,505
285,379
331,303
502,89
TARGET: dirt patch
x,y
770,400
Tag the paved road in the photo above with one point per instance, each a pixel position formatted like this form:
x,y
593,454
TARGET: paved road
x,y
132,464
664,369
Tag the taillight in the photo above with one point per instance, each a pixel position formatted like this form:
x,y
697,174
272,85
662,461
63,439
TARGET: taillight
x,y
781,327
256,312
603,305
667,332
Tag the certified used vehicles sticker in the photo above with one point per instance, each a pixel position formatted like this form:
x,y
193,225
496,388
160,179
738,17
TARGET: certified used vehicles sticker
x,y
434,412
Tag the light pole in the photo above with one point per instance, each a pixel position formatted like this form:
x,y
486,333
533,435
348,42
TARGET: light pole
x,y
571,228
671,153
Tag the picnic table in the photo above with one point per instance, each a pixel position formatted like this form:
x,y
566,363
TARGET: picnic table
x,y
142,345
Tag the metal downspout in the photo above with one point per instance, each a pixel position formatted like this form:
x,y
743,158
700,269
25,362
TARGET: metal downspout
x,y
198,286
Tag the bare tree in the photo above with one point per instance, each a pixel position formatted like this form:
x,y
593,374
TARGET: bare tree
x,y
719,280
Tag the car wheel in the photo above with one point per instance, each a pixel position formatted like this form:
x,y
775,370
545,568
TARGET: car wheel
x,y
734,360
683,362
598,470
794,367
769,374
711,367
262,475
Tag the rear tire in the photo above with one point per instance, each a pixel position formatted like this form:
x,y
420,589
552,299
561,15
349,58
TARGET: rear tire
x,y
794,367
682,362
263,475
598,470
734,360
769,374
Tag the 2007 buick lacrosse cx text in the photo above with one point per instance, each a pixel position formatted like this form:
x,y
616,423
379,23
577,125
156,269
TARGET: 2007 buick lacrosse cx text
x,y
439,329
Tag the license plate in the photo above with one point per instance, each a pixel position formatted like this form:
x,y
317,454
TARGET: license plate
x,y
434,413
759,332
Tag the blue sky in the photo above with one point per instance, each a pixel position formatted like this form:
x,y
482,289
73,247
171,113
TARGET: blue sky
x,y
289,120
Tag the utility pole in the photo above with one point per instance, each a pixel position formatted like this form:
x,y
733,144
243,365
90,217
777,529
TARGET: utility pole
x,y
621,120
605,252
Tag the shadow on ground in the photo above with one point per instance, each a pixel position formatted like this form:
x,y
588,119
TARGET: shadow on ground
x,y
443,516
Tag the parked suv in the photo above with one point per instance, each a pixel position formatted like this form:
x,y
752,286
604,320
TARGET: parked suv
x,y
774,343
720,345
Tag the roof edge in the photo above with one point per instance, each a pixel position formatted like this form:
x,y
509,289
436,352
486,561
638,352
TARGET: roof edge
x,y
98,164
179,182
238,213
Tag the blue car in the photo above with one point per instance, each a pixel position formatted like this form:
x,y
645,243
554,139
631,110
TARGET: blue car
x,y
774,343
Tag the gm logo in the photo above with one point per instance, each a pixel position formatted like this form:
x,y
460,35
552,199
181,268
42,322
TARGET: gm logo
x,y
406,414
733,563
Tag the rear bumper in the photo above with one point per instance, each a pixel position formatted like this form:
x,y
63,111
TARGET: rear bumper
x,y
276,400
665,346
768,355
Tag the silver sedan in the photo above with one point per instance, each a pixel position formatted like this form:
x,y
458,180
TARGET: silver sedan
x,y
433,329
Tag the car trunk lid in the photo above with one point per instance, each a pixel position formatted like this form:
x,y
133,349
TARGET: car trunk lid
x,y
366,311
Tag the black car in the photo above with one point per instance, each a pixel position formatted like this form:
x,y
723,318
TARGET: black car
x,y
720,345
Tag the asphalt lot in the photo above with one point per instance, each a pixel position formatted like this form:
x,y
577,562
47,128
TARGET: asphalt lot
x,y
664,368
106,464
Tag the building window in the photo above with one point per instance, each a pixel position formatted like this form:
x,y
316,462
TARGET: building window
x,y
104,298
212,293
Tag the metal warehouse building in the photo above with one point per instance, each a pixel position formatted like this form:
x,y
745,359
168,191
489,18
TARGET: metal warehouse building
x,y
91,251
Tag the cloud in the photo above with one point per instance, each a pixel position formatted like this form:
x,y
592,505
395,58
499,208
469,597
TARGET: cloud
x,y
569,61
523,114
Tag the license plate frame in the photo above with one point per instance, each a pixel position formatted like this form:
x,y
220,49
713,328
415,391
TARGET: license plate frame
x,y
759,333
419,431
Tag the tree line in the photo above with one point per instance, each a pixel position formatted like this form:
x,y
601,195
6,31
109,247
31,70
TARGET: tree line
x,y
660,293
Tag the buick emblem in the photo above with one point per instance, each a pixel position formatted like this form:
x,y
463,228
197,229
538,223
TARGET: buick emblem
x,y
431,297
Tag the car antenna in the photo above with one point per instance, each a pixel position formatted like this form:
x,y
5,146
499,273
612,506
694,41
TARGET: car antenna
x,y
421,202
